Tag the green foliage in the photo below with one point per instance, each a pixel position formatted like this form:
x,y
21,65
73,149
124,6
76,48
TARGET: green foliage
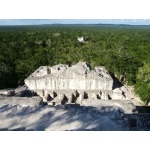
x,y
144,73
143,82
143,90
124,50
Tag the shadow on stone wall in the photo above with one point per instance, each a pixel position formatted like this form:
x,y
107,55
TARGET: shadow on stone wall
x,y
116,82
73,118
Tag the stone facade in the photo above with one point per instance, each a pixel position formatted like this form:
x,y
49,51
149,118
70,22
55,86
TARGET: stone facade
x,y
64,84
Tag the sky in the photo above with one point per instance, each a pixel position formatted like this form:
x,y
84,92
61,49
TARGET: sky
x,y
27,12
73,21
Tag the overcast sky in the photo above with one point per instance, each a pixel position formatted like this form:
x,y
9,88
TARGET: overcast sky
x,y
74,21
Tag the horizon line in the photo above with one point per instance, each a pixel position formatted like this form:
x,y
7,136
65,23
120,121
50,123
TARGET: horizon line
x,y
75,24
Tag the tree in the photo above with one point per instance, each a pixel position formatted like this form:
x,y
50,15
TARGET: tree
x,y
142,86
144,73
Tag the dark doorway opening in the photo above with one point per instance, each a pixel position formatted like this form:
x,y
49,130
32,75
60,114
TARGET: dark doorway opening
x,y
64,100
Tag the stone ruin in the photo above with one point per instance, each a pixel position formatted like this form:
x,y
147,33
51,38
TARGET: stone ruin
x,y
81,39
93,89
63,84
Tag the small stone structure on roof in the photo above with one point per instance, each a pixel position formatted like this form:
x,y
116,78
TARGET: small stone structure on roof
x,y
61,84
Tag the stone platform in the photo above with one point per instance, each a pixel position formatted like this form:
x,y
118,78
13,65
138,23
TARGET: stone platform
x,y
22,101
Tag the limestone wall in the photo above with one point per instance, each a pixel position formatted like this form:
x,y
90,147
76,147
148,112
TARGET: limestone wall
x,y
66,84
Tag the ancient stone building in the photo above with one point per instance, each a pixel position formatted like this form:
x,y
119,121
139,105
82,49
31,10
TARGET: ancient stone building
x,y
64,84
81,39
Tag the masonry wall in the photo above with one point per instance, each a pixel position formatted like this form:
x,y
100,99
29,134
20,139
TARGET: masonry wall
x,y
69,84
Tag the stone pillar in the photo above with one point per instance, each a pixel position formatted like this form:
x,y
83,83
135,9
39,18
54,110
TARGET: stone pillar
x,y
69,98
104,95
80,98
60,97
94,95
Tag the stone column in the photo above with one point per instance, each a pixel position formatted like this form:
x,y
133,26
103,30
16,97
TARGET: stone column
x,y
104,95
80,98
69,96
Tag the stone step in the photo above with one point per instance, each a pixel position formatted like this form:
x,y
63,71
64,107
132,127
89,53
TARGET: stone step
x,y
23,101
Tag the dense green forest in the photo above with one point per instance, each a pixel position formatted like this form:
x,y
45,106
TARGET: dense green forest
x,y
124,50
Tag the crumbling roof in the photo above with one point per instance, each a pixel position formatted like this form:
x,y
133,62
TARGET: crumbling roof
x,y
81,69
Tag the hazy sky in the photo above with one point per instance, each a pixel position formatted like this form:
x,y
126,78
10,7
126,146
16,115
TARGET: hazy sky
x,y
73,21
